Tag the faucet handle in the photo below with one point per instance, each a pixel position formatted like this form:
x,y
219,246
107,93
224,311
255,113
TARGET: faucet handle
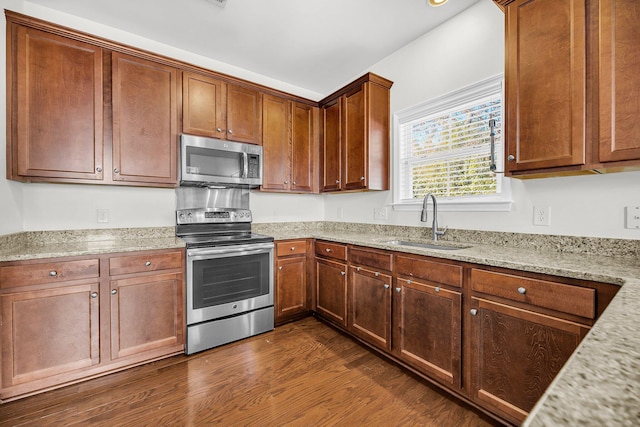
x,y
441,232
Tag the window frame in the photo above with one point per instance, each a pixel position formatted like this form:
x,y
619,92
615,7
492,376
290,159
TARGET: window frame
x,y
498,202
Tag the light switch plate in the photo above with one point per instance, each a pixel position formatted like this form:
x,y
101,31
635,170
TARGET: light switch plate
x,y
632,217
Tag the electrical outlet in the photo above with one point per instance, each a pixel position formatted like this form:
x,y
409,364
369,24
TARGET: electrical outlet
x,y
103,215
541,215
632,217
380,213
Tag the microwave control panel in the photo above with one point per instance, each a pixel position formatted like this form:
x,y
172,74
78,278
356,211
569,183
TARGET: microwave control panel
x,y
254,166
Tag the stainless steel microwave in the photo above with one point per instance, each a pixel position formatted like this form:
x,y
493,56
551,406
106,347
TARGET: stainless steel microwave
x,y
209,161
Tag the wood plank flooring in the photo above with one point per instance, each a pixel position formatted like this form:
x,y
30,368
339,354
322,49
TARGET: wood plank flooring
x,y
302,374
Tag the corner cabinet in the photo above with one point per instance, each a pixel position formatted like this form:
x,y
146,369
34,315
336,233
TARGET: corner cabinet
x,y
68,319
571,86
356,128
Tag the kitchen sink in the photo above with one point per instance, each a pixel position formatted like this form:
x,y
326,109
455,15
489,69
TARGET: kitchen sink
x,y
443,246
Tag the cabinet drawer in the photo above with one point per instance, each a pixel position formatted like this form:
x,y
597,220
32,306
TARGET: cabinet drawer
x,y
48,272
371,258
331,250
542,293
138,263
437,272
291,247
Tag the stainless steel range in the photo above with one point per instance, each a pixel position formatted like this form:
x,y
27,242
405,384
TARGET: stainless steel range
x,y
229,271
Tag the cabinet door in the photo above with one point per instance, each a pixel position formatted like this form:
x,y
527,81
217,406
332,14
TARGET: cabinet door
x,y
145,124
204,106
331,290
57,126
146,315
545,84
303,147
291,287
370,306
49,334
331,148
244,114
275,143
354,141
516,354
427,331
619,84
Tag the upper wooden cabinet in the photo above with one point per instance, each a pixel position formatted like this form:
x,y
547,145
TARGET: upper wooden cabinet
x,y
290,142
572,86
145,120
355,151
54,114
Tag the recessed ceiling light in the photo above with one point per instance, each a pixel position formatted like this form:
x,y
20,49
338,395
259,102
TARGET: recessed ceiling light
x,y
437,2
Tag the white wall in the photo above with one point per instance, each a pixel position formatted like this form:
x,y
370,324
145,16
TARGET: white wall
x,y
462,51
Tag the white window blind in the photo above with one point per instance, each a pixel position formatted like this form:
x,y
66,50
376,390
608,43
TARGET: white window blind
x,y
444,148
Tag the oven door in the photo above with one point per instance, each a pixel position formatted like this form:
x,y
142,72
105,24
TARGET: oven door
x,y
228,280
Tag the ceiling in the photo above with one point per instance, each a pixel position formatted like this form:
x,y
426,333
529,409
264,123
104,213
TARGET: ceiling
x,y
317,45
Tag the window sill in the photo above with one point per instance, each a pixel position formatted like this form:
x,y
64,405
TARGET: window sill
x,y
458,206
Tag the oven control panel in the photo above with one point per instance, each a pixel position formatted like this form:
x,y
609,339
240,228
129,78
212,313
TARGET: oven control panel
x,y
207,216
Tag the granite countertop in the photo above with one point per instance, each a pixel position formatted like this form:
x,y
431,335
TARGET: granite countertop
x,y
600,384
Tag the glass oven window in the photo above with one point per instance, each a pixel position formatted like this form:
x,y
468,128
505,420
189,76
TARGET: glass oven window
x,y
223,280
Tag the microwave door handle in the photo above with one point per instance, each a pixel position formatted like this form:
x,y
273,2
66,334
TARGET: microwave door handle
x,y
245,165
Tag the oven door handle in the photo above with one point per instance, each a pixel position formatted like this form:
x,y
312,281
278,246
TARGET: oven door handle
x,y
231,250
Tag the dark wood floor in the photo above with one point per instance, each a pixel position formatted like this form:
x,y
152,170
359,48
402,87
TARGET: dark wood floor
x,y
301,374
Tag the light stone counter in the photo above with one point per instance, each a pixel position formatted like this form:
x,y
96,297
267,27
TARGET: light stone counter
x,y
600,384
52,244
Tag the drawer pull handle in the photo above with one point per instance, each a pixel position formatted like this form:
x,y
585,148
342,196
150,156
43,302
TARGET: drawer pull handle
x,y
474,311
343,273
53,273
148,263
328,250
386,286
398,290
114,291
94,295
437,289
522,290
377,274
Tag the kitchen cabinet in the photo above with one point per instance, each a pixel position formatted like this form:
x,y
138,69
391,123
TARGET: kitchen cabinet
x,y
215,108
331,282
428,317
54,114
356,130
67,319
290,144
571,86
293,293
523,330
370,296
145,120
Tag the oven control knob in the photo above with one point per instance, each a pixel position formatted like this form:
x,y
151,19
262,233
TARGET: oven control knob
x,y
235,305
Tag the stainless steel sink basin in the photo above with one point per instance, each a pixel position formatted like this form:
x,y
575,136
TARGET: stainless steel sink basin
x,y
445,247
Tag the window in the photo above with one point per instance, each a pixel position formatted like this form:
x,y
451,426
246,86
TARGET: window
x,y
443,147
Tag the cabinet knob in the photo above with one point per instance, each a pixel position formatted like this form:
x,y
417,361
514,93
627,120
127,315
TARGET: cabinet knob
x,y
408,282
357,268
286,182
337,181
328,250
473,311
114,291
377,274
230,131
362,178
148,263
522,290
219,129
98,169
386,286
398,290
511,157
94,295
280,268
53,273
437,289
293,248
294,183
343,273
116,171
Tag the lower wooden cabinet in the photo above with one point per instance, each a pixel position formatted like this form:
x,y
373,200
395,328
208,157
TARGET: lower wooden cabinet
x,y
515,354
292,282
428,329
67,319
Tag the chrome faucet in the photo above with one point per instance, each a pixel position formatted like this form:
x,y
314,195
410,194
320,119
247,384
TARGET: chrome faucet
x,y
434,227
